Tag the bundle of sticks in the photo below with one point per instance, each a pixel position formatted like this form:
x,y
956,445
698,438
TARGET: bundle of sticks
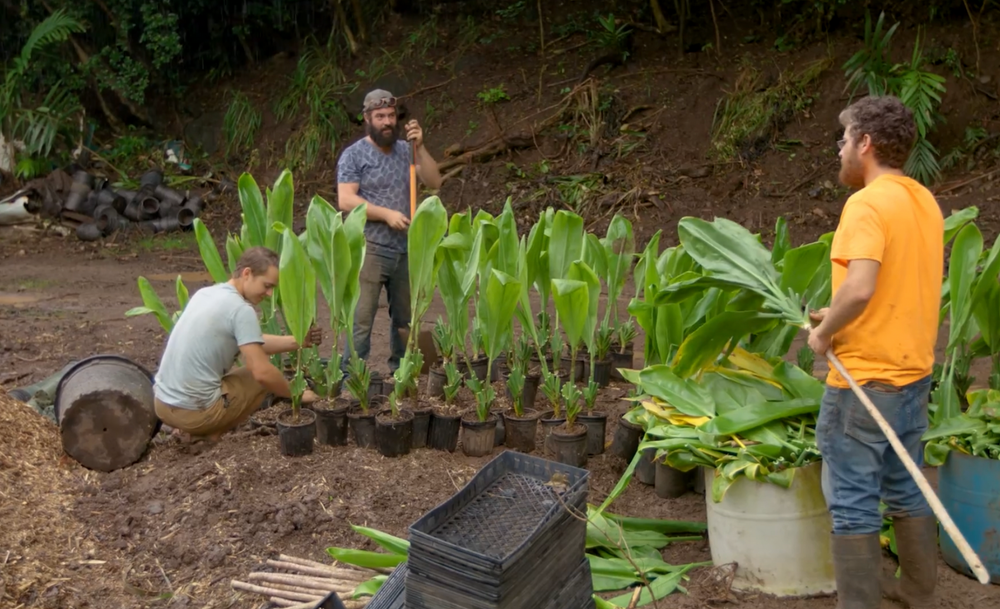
x,y
308,583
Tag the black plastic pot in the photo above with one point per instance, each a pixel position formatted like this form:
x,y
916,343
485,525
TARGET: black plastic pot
x,y
126,198
501,430
185,218
596,424
645,470
436,380
498,368
578,369
195,204
152,178
374,384
362,426
521,431
602,372
88,232
570,446
478,436
166,225
528,393
82,177
548,424
621,360
88,204
296,439
671,483
442,433
394,435
626,440
421,425
331,424
165,193
479,367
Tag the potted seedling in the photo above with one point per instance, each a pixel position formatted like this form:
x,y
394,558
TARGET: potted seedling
x,y
360,417
572,304
521,424
622,348
336,250
597,341
296,426
445,423
394,425
619,249
497,312
445,346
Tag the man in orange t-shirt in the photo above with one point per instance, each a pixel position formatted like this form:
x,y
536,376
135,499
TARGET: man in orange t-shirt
x,y
888,260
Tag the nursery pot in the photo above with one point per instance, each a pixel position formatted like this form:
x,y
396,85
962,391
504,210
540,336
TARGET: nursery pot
x,y
442,434
578,368
671,483
621,360
501,430
478,437
394,435
436,380
296,438
645,470
479,366
968,487
602,372
548,424
88,232
421,426
331,423
596,424
362,425
529,391
570,445
779,538
498,368
626,440
521,431
374,384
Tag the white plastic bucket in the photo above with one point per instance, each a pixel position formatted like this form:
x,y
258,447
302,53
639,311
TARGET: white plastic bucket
x,y
779,538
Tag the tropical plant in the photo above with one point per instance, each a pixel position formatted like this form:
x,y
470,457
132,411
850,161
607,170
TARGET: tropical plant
x,y
359,379
153,305
619,251
515,384
298,301
976,432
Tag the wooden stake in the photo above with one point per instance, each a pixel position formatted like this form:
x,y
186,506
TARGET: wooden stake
x,y
293,596
340,586
946,522
347,574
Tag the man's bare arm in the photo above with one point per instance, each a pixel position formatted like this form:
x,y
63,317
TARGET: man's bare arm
x,y
427,168
348,199
279,344
263,370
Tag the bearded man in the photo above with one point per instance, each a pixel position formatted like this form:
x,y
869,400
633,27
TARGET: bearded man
x,y
376,170
888,262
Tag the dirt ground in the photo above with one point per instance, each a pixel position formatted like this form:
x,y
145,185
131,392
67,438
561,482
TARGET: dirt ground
x,y
174,529
177,527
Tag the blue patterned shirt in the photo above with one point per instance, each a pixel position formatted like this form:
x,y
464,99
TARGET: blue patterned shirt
x,y
384,180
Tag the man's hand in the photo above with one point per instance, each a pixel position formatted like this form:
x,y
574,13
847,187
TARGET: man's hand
x,y
396,220
818,316
414,133
819,340
308,397
313,337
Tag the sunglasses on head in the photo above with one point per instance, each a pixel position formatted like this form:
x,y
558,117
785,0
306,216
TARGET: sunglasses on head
x,y
382,102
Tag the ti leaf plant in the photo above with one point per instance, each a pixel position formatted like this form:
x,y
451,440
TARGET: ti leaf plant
x,y
298,301
572,304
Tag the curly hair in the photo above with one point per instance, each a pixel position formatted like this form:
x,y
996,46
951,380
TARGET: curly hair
x,y
887,122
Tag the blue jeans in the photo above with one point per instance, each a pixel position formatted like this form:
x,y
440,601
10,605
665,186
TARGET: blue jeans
x,y
859,464
391,269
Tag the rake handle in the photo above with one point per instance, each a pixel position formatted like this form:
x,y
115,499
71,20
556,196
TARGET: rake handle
x,y
936,506
413,181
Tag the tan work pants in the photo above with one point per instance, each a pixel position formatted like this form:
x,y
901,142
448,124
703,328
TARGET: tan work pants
x,y
241,395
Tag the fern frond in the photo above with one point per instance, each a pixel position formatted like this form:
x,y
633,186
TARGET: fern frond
x,y
57,27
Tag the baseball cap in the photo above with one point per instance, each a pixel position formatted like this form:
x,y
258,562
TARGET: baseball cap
x,y
378,95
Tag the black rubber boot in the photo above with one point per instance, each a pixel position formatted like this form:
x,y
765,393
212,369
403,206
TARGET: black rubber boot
x,y
916,541
857,563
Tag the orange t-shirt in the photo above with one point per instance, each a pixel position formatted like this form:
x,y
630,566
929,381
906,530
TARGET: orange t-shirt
x,y
896,221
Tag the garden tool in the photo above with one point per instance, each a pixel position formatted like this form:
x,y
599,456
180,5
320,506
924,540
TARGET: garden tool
x,y
413,181
938,508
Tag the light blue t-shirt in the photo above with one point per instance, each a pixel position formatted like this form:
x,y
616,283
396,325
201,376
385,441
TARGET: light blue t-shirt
x,y
203,346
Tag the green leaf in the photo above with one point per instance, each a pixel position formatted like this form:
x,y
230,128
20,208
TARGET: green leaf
x,y
366,559
957,220
234,249
182,293
685,395
782,242
369,587
298,285
580,271
797,382
619,250
565,243
209,253
757,415
571,299
354,230
388,542
255,217
961,273
279,209
660,588
702,347
502,294
426,230
153,304
667,527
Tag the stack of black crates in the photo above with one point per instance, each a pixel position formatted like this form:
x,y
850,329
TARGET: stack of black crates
x,y
514,537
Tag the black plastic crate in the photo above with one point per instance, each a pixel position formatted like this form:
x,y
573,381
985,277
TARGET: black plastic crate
x,y
492,520
391,594
573,590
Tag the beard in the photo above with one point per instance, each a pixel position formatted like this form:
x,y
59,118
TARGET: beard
x,y
384,138
851,173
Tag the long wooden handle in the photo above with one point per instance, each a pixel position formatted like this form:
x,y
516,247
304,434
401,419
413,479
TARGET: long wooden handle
x,y
413,181
949,525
